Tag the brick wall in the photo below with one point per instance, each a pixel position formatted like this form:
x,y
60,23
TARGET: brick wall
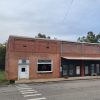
x,y
80,49
32,49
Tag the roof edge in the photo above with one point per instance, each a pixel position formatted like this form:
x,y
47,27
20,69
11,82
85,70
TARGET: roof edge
x,y
26,37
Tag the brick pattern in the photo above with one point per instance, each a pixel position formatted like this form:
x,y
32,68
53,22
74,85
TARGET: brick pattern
x,y
34,49
80,49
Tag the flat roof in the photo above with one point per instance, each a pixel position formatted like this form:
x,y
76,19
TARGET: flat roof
x,y
63,41
30,38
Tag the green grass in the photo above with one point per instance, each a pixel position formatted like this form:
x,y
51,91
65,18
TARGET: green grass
x,y
2,78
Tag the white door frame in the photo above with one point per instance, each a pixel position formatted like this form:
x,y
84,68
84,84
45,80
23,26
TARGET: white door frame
x,y
26,71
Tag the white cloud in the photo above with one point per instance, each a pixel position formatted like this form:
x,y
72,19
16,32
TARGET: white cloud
x,y
57,18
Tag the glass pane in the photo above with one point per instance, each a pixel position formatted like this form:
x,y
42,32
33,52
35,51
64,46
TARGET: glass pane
x,y
44,67
64,70
77,70
86,70
71,69
23,61
92,69
97,68
64,67
23,70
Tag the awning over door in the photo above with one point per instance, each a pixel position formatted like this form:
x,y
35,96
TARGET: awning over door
x,y
82,58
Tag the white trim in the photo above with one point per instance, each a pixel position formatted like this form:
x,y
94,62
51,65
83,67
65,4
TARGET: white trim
x,y
21,63
44,63
83,58
44,71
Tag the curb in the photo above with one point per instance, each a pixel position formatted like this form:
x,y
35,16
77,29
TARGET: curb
x,y
50,81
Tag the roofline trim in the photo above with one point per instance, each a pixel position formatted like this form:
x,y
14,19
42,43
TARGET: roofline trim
x,y
26,37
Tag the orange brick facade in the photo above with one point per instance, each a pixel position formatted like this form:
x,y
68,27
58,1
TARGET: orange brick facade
x,y
80,49
34,49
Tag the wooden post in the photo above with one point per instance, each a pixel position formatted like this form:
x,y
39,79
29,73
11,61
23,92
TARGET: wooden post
x,y
82,68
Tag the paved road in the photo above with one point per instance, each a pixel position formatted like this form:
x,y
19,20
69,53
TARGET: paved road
x,y
10,93
68,90
72,90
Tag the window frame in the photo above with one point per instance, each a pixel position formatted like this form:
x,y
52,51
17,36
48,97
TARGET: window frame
x,y
45,63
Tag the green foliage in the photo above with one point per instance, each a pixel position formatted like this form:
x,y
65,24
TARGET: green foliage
x,y
91,38
3,80
2,55
40,35
2,76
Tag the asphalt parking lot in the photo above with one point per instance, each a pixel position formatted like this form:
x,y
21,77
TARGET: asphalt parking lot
x,y
65,90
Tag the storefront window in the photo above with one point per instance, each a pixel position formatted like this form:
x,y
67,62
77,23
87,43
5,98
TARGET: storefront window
x,y
97,68
71,69
86,70
78,70
92,69
44,66
64,70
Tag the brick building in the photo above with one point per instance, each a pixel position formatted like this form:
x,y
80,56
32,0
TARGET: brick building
x,y
31,58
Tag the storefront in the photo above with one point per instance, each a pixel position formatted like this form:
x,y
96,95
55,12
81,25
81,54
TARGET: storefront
x,y
31,58
72,67
91,68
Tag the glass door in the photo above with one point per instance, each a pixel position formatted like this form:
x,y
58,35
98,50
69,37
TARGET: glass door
x,y
64,70
98,69
71,70
92,69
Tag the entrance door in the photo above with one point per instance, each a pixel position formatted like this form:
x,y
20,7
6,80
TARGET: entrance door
x,y
64,70
71,70
98,69
23,72
86,70
92,69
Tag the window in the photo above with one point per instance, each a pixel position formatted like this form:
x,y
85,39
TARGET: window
x,y
44,66
86,70
71,69
23,70
78,70
92,69
65,68
97,68
23,61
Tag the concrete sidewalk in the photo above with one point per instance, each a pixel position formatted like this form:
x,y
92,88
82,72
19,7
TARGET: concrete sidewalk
x,y
57,79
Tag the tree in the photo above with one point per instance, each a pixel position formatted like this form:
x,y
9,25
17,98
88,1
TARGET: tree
x,y
91,38
2,55
98,37
40,35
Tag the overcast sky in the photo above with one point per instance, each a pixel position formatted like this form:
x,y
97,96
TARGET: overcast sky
x,y
63,19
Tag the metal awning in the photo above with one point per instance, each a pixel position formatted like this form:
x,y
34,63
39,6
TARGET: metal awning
x,y
82,58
